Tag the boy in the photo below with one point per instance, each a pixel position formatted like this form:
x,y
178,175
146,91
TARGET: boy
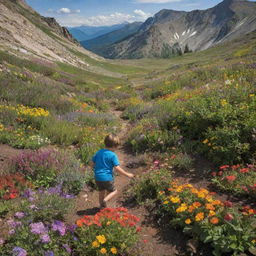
x,y
104,162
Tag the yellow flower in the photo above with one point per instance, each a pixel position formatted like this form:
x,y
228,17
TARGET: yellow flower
x,y
103,251
182,208
102,239
108,223
174,199
211,213
95,244
113,250
165,202
205,141
199,216
188,221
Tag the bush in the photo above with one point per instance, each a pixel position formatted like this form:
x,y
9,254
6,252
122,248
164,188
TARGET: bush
x,y
43,166
237,179
54,238
199,214
61,132
110,232
148,185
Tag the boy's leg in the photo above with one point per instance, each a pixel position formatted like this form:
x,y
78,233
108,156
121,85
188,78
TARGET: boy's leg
x,y
110,195
102,194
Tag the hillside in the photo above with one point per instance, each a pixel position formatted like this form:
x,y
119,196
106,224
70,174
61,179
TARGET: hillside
x,y
84,33
172,32
100,44
187,135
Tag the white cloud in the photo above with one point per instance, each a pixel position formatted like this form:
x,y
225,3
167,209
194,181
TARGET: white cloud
x,y
73,19
158,1
64,11
142,14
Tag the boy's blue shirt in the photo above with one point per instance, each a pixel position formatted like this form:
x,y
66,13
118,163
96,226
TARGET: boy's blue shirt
x,y
104,161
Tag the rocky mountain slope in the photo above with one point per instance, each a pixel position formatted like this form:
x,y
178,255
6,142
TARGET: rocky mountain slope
x,y
171,32
83,33
25,33
100,44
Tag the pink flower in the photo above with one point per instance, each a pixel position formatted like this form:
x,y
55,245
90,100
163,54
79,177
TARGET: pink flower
x,y
244,170
228,217
228,204
230,178
224,167
214,174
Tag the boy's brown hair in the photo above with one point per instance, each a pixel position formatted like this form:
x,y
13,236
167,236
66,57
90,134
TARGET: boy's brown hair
x,y
111,141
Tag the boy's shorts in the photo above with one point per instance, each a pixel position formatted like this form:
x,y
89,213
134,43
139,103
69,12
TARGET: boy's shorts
x,y
106,185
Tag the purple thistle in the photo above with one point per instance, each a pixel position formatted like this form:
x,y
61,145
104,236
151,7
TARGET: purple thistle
x,y
59,226
49,253
19,215
45,238
38,228
18,251
66,246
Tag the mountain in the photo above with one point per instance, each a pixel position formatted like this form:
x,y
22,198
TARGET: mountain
x,y
172,32
100,45
25,33
83,33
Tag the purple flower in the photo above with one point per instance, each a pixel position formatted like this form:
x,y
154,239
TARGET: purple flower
x,y
1,241
55,190
68,196
29,193
49,253
13,224
11,232
45,238
72,228
66,246
19,215
33,207
38,228
59,226
18,251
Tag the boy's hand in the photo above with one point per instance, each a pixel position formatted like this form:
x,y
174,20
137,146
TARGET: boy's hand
x,y
130,175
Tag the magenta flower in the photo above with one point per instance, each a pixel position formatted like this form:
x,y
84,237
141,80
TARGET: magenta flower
x,y
45,238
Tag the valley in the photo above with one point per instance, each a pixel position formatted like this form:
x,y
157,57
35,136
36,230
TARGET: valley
x,y
187,126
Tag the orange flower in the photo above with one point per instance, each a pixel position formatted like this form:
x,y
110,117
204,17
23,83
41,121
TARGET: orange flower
x,y
188,221
191,208
79,223
214,220
199,216
209,207
197,204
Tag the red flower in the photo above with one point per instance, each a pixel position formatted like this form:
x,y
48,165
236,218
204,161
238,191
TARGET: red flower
x,y
230,178
228,204
173,156
228,217
214,174
244,170
224,167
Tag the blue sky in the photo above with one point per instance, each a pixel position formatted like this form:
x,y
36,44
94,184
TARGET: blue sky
x,y
108,12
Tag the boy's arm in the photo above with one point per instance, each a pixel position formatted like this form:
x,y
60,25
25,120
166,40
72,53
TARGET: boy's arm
x,y
121,171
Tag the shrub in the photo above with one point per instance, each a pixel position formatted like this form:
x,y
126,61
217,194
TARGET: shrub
x,y
43,166
45,205
110,232
54,238
198,213
237,179
148,184
61,132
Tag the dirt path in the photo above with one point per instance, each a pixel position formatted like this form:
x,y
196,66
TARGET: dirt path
x,y
154,242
